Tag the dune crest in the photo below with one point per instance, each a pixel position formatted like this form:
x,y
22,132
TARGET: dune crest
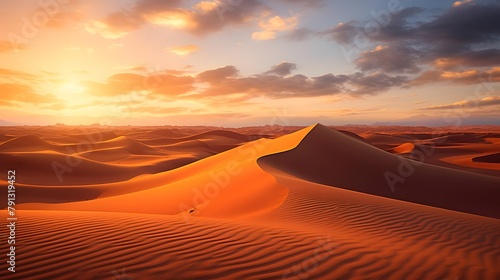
x,y
335,159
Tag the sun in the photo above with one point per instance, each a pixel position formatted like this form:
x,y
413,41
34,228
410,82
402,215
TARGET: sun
x,y
70,89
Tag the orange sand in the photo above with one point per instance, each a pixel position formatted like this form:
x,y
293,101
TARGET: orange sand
x,y
157,203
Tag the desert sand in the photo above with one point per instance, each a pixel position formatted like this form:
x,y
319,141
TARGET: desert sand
x,y
253,203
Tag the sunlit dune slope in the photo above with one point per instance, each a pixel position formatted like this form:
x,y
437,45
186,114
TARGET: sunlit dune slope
x,y
329,157
229,184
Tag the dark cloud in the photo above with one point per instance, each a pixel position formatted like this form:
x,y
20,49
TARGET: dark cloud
x,y
467,59
278,83
219,74
463,38
374,83
463,25
282,69
390,59
383,28
272,86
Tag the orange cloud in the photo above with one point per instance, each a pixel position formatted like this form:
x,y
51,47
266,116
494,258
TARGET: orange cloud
x,y
273,25
471,76
175,18
457,75
461,3
13,94
9,75
116,25
183,50
206,6
158,84
487,101
103,29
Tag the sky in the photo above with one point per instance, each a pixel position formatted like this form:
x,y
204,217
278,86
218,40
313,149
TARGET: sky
x,y
249,62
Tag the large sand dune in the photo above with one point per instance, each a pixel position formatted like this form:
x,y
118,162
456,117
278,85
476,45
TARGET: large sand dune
x,y
312,204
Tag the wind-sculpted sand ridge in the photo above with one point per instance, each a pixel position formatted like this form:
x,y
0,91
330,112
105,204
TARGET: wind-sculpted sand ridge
x,y
312,204
332,158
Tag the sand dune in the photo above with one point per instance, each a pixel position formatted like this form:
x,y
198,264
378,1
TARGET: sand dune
x,y
492,158
93,137
404,148
28,143
383,141
4,138
332,158
312,204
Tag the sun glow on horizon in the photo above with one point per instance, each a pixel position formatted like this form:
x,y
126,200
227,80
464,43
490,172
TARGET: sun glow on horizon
x,y
71,92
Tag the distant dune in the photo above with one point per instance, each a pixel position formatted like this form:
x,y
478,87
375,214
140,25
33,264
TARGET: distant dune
x,y
493,158
198,203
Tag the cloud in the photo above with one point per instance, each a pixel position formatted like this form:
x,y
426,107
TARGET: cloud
x,y
470,76
469,24
226,13
203,18
13,94
271,26
487,101
456,45
116,25
138,68
461,27
183,50
157,84
282,69
12,75
460,3
480,58
374,83
362,33
223,84
389,59
278,83
69,13
217,75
